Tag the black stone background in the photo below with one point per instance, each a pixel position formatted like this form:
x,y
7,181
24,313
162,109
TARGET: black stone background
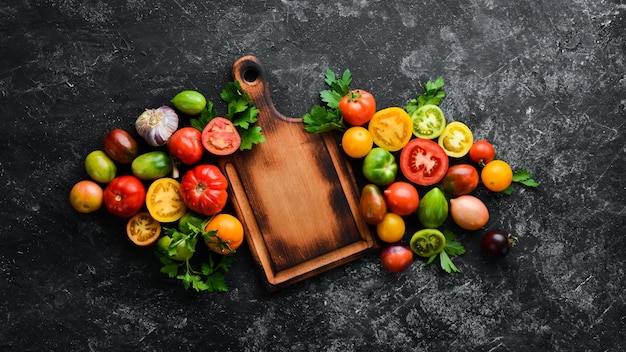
x,y
545,81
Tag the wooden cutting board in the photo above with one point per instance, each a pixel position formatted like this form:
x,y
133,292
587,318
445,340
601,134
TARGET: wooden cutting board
x,y
295,194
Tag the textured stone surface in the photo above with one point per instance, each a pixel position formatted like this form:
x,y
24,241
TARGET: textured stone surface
x,y
544,81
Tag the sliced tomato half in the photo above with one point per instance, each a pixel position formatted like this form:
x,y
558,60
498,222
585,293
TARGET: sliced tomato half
x,y
423,162
143,229
220,137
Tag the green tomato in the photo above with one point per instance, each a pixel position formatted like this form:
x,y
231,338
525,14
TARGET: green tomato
x,y
175,251
100,167
189,102
152,165
191,218
380,167
432,211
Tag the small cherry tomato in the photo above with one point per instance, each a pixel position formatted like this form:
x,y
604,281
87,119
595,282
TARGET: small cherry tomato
x,y
229,235
220,137
357,107
391,128
186,145
482,152
391,229
497,243
86,196
396,257
456,139
460,179
497,176
142,229
402,198
423,162
120,146
469,212
124,196
356,142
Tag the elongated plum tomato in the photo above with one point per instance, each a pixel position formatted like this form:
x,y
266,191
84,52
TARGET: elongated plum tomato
x,y
396,257
124,196
428,121
100,167
189,102
402,198
229,235
469,212
482,152
357,107
497,176
186,145
220,137
86,196
356,142
391,128
120,146
372,206
423,162
456,139
142,229
460,179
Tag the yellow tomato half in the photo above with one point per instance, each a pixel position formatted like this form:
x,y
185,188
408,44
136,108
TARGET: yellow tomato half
x,y
456,139
164,201
391,128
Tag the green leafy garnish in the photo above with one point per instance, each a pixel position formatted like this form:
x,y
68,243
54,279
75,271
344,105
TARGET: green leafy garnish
x,y
521,176
452,249
328,118
433,94
240,110
210,277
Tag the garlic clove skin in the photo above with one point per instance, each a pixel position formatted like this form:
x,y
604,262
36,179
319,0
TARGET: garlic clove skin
x,y
156,126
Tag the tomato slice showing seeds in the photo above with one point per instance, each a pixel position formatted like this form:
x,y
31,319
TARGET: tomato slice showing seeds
x,y
143,229
456,139
423,162
427,242
164,201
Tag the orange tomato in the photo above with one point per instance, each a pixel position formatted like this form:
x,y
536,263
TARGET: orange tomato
x,y
164,201
391,229
143,229
497,176
229,235
357,142
86,196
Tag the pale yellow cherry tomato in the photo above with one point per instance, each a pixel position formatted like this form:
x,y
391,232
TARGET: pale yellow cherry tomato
x,y
391,229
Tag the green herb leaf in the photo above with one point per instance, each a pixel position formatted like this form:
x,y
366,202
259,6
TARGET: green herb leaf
x,y
446,263
522,176
251,137
207,114
433,94
328,118
243,114
321,120
451,249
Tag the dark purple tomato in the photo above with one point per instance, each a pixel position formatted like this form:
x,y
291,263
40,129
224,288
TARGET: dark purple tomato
x,y
460,179
497,243
396,257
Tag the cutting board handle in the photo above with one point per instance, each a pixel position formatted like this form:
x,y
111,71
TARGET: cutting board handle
x,y
253,79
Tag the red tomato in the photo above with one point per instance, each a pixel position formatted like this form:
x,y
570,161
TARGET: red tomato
x,y
460,179
186,145
120,146
423,162
402,198
203,189
357,107
124,196
396,257
482,152
220,137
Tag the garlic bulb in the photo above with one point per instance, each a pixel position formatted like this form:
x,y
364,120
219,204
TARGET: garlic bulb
x,y
156,126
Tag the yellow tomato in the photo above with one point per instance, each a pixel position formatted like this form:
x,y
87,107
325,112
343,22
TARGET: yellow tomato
x,y
391,229
456,139
164,201
391,128
357,142
497,176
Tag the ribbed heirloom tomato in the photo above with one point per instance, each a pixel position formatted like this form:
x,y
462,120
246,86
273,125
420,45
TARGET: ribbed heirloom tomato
x,y
391,128
203,189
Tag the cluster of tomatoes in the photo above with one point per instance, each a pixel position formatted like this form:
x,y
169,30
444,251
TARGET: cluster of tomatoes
x,y
431,155
143,187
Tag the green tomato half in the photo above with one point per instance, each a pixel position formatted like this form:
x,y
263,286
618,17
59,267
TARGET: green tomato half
x,y
380,167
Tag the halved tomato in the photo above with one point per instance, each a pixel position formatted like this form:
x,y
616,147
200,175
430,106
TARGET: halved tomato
x,y
428,121
143,229
164,201
456,139
423,162
391,128
220,137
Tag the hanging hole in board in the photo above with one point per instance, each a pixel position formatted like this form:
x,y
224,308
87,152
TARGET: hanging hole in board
x,y
250,75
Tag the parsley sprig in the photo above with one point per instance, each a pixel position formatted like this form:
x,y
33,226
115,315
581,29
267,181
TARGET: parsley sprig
x,y
240,110
433,94
452,249
211,275
328,118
